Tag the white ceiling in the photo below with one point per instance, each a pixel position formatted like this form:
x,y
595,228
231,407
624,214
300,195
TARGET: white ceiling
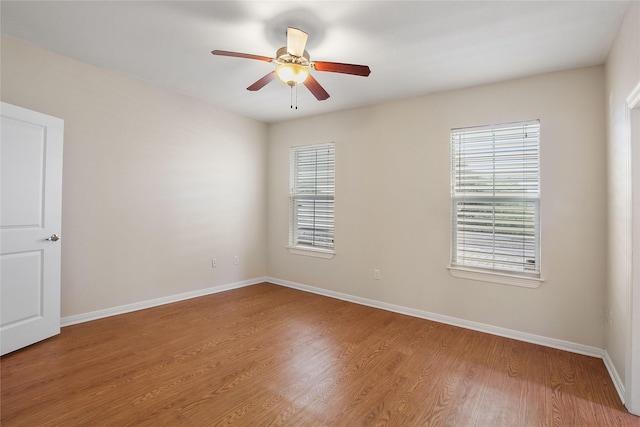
x,y
413,48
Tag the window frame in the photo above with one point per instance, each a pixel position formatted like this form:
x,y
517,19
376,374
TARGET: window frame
x,y
482,201
304,195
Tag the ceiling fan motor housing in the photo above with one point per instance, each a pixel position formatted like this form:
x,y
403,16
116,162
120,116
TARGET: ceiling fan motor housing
x,y
284,57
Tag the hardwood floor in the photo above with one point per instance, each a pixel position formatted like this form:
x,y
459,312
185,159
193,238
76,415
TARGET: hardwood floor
x,y
269,355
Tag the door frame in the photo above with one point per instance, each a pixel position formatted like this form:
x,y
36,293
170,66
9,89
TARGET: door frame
x,y
632,368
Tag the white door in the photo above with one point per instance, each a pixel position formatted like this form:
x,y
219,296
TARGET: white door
x,y
30,216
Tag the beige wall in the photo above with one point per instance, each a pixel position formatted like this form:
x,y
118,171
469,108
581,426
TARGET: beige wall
x,y
622,76
393,208
155,183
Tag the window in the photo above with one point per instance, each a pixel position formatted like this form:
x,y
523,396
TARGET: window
x,y
495,194
311,198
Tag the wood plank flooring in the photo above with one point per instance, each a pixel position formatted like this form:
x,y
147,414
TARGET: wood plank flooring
x,y
268,355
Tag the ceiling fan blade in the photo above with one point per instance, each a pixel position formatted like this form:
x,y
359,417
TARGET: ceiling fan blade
x,y
337,67
242,55
315,88
296,41
262,82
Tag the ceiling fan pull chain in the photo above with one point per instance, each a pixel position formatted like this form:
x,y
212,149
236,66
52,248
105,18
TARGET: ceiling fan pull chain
x,y
291,97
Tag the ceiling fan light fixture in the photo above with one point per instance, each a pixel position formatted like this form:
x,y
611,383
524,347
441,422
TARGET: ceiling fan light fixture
x,y
292,74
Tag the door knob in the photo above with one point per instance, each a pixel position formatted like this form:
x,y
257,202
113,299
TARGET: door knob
x,y
53,238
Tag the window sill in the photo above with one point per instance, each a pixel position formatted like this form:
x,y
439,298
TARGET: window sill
x,y
494,277
316,253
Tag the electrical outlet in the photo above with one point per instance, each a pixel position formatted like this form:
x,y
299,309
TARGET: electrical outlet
x,y
236,260
376,274
214,262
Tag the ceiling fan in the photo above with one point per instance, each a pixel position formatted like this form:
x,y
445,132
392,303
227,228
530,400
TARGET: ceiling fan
x,y
294,64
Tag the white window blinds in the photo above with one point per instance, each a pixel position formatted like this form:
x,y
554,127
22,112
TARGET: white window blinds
x,y
311,197
496,197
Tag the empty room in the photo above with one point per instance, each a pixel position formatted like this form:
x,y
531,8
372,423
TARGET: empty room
x,y
320,213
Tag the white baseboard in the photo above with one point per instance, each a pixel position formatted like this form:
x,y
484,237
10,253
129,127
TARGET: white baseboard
x,y
617,381
467,324
122,309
